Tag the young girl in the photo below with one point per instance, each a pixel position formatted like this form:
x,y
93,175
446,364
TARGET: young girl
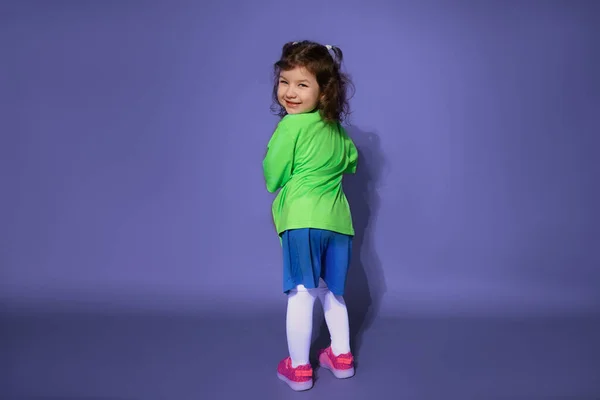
x,y
306,158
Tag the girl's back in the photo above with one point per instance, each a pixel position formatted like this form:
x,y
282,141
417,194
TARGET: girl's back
x,y
307,158
321,155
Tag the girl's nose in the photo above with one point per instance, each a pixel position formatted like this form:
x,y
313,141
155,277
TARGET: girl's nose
x,y
290,92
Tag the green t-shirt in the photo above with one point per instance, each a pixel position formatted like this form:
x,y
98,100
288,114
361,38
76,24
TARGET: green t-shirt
x,y
306,158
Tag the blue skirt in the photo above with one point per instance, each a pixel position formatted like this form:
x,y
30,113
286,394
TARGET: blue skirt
x,y
310,254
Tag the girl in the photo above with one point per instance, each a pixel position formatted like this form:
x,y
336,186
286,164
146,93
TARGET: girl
x,y
306,158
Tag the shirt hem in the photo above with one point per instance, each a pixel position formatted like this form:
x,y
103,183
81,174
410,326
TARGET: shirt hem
x,y
333,228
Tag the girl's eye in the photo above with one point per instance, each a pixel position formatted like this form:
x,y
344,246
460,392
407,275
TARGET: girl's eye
x,y
303,85
282,82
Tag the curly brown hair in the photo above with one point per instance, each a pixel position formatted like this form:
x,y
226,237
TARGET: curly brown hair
x,y
326,67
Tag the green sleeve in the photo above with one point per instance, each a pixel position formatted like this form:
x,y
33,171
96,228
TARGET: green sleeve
x,y
352,154
278,162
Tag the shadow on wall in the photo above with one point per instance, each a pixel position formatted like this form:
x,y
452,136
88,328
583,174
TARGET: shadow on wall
x,y
366,284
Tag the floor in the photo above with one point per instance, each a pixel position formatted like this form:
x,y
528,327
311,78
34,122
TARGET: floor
x,y
121,356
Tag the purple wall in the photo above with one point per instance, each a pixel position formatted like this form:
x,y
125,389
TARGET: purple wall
x,y
132,135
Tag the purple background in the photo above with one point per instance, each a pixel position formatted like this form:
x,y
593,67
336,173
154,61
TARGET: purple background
x,y
138,259
133,134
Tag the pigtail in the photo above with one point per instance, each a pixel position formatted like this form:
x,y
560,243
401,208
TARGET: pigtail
x,y
289,46
286,47
338,55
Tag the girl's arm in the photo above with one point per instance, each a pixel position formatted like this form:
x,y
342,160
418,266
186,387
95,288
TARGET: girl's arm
x,y
279,160
352,154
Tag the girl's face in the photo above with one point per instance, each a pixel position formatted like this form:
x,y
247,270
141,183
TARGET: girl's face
x,y
298,91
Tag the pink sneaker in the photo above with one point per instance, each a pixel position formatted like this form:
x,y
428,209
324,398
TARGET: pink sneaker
x,y
299,378
341,366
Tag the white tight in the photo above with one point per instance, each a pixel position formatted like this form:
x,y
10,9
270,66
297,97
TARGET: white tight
x,y
299,321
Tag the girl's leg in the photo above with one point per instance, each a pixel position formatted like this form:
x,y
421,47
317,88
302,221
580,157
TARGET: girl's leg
x,y
337,358
336,317
301,262
299,323
337,263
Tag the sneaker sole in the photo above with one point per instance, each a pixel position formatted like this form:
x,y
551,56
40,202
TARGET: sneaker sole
x,y
296,386
338,373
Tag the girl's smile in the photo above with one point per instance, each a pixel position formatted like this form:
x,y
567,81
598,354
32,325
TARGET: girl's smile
x,y
290,104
